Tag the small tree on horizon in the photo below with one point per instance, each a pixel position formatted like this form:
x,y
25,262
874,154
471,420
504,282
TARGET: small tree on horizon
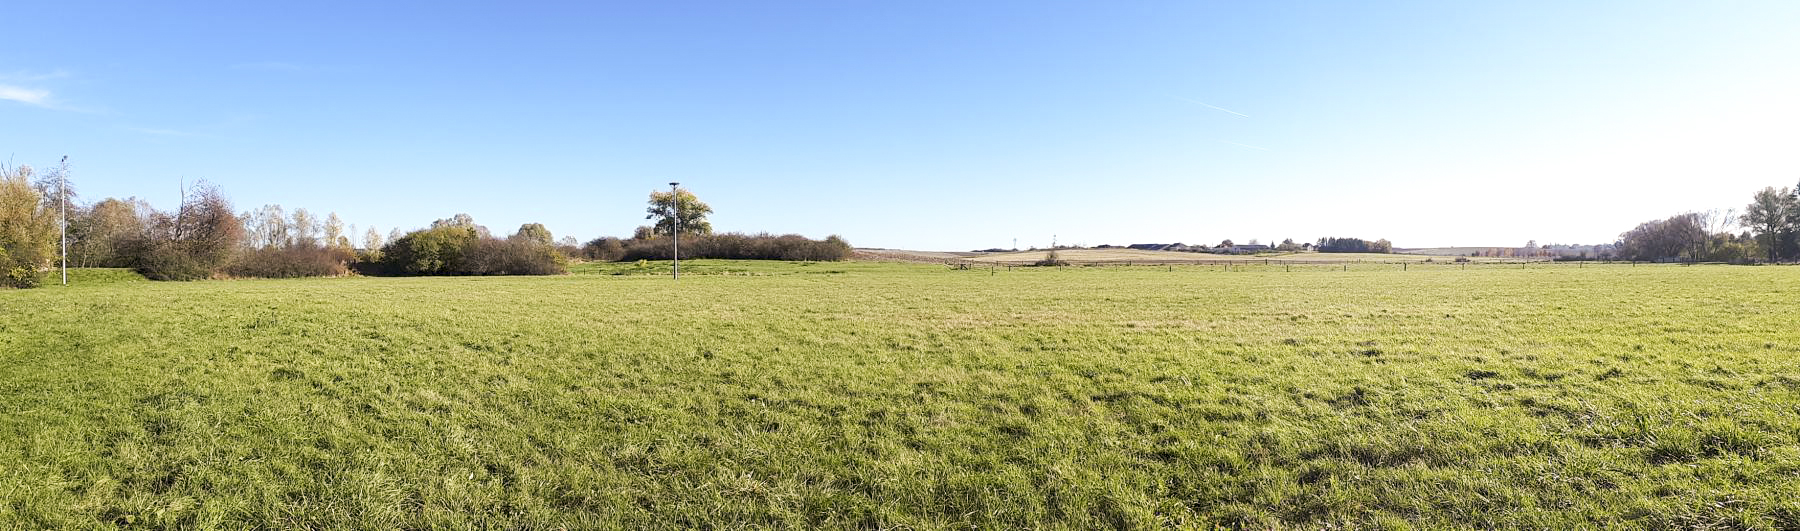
x,y
534,232
1770,215
666,207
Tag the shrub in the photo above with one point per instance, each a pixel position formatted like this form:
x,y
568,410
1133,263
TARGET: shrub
x,y
164,260
17,275
738,246
191,244
291,262
1051,259
514,257
27,230
434,251
457,249
604,249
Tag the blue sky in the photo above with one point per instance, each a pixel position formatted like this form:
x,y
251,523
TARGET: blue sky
x,y
927,125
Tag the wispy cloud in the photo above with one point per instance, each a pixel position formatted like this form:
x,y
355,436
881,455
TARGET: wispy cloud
x,y
28,96
1211,106
28,87
29,76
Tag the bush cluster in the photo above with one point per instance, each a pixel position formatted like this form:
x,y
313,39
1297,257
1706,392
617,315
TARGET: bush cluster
x,y
738,246
462,250
604,249
27,230
291,262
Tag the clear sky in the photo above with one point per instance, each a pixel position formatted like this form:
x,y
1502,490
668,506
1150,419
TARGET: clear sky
x,y
927,125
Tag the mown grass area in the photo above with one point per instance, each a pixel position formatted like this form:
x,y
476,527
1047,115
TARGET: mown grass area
x,y
891,395
92,277
732,267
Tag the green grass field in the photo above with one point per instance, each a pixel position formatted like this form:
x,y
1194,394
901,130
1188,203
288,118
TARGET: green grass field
x,y
909,396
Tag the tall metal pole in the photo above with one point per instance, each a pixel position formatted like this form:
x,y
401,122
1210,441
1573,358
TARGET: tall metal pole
x,y
63,187
675,209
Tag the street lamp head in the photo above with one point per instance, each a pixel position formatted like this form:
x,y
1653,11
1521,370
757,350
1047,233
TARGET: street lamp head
x,y
674,184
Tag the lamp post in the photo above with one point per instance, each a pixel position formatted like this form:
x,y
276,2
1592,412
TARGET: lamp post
x,y
63,189
675,210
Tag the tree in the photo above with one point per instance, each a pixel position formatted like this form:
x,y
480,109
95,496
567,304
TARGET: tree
x,y
462,220
1225,244
334,231
1771,215
372,239
305,229
534,232
1681,235
104,227
666,207
209,229
198,240
268,228
1352,245
28,230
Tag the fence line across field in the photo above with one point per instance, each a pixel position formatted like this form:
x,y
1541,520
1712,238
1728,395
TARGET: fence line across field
x,y
1289,265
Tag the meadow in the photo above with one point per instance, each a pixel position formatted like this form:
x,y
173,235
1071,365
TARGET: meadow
x,y
1141,257
884,395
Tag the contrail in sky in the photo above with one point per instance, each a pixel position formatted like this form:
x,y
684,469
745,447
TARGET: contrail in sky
x,y
1215,107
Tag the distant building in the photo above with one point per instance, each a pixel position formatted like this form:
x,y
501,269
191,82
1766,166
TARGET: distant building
x,y
1248,248
1177,246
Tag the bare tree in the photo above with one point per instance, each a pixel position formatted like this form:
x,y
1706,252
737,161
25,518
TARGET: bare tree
x,y
372,240
268,227
334,231
305,229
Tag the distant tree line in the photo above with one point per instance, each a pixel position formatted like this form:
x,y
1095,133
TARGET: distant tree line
x,y
1353,245
205,238
656,241
731,245
1770,232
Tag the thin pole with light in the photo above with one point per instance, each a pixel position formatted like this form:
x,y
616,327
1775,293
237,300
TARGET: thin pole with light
x,y
675,209
63,190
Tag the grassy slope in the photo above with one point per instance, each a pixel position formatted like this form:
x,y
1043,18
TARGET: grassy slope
x,y
93,277
894,395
